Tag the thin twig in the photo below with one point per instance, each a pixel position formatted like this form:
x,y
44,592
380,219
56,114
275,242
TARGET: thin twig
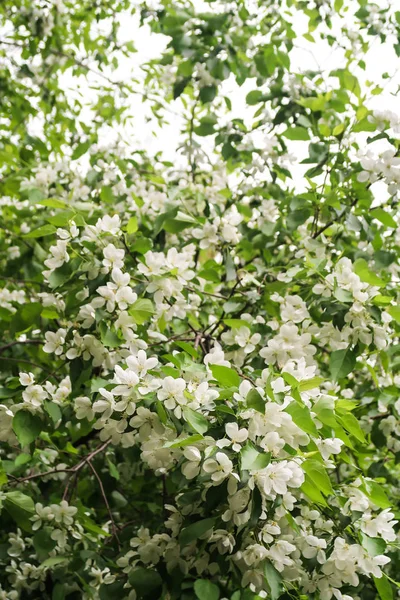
x,y
16,342
113,525
73,469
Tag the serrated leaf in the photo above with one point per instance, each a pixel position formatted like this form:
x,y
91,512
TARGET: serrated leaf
x,y
318,475
302,418
341,363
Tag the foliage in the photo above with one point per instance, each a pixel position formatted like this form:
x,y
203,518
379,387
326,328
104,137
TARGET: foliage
x,y
199,364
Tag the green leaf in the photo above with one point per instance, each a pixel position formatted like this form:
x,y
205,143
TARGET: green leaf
x,y
373,546
195,531
297,217
42,541
53,410
296,133
188,348
59,592
26,426
188,441
21,500
54,561
35,195
113,469
394,311
236,323
20,507
366,275
324,411
179,86
206,590
384,588
254,97
253,460
206,126
313,492
196,420
256,401
301,416
108,337
351,424
81,149
111,591
274,580
341,363
41,231
318,475
141,310
384,217
310,384
376,493
145,581
225,376
132,225
208,93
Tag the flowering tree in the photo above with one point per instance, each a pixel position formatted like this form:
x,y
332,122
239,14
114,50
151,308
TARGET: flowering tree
x,y
199,359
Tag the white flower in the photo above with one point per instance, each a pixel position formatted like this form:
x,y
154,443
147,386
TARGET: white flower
x,y
220,467
381,526
109,224
127,380
191,468
172,392
141,364
294,309
43,513
83,408
34,395
113,257
105,404
55,342
26,378
329,446
237,437
63,513
59,255
279,552
315,547
205,396
246,340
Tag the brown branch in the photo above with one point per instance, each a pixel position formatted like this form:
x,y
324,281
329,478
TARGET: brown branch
x,y
86,459
28,362
339,218
10,344
113,525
